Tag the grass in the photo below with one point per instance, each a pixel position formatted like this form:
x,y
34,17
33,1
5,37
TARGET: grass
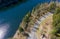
x,y
56,22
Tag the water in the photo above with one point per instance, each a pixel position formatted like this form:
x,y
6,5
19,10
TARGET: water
x,y
11,18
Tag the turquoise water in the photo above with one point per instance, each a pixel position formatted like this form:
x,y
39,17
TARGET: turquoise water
x,y
11,18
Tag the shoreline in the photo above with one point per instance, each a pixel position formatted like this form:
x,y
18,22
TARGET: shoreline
x,y
34,18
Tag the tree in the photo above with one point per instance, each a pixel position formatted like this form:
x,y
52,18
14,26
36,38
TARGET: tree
x,y
56,22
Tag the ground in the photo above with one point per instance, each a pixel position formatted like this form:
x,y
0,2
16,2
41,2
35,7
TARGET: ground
x,y
45,27
40,29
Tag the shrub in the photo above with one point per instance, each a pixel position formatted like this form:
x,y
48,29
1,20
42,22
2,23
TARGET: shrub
x,y
21,29
52,6
56,21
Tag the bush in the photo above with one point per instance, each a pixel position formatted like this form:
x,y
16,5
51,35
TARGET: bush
x,y
21,29
56,21
57,11
26,18
52,6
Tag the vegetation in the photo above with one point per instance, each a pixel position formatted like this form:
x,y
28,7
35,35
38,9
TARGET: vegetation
x,y
26,18
21,29
52,7
30,18
56,22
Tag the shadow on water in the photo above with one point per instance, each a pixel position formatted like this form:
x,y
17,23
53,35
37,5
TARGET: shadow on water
x,y
11,5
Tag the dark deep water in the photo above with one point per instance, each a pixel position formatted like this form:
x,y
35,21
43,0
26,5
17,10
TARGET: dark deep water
x,y
11,18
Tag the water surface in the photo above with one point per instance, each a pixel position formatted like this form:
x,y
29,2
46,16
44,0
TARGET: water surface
x,y
11,18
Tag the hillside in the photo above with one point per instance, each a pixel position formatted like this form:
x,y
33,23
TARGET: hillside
x,y
43,21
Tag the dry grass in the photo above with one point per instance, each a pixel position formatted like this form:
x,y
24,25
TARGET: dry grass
x,y
45,27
